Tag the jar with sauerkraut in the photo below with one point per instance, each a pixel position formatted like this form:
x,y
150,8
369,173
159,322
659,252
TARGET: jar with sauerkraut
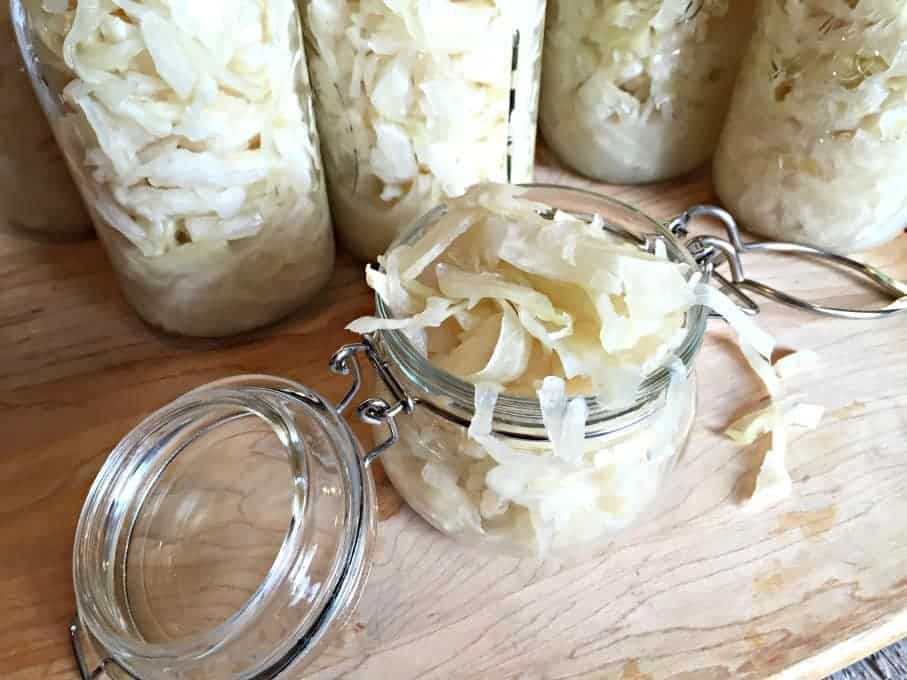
x,y
815,146
636,92
36,190
550,360
416,101
189,128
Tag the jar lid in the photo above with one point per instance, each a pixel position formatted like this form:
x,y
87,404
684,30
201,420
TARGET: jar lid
x,y
224,536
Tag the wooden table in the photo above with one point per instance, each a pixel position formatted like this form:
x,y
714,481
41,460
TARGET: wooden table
x,y
700,590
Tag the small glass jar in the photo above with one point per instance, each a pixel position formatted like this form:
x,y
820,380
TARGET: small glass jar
x,y
450,480
190,133
815,146
37,190
417,101
637,92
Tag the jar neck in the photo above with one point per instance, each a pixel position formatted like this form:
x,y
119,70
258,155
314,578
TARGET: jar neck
x,y
521,417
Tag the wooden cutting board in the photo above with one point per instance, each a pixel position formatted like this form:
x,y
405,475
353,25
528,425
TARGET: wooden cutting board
x,y
700,590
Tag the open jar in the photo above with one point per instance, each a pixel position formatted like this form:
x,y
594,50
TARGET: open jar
x,y
229,535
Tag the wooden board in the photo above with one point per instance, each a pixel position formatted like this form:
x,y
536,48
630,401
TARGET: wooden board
x,y
700,590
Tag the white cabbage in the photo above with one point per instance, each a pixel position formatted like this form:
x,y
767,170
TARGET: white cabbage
x,y
637,91
815,146
515,301
413,102
37,190
191,132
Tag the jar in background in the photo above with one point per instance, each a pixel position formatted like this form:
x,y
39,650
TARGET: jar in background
x,y
36,190
636,92
453,481
414,105
815,146
189,129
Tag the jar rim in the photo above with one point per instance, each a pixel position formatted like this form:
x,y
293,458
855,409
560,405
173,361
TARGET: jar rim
x,y
453,397
121,473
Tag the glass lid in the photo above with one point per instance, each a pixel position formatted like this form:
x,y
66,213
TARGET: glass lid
x,y
225,535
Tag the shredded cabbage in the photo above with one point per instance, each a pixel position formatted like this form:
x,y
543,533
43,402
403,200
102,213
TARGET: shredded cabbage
x,y
192,134
413,104
815,146
773,483
547,308
38,192
637,91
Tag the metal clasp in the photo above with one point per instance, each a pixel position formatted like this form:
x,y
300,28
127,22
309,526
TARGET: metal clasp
x,y
711,252
81,662
374,411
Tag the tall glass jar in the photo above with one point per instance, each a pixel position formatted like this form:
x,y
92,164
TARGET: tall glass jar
x,y
522,499
189,128
815,147
417,101
36,190
636,92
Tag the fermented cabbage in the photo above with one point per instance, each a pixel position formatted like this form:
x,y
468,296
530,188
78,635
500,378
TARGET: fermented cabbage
x,y
815,147
37,191
413,100
189,126
519,299
637,91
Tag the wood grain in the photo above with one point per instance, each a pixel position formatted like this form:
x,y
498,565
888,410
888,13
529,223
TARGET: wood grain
x,y
699,590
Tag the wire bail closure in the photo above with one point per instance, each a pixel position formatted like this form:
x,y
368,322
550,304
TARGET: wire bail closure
x,y
711,252
374,411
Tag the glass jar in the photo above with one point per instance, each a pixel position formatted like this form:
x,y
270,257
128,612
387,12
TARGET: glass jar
x,y
815,146
37,190
532,504
417,101
227,536
188,126
637,92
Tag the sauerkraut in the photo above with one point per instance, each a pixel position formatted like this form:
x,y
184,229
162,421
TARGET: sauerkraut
x,y
37,191
414,104
815,147
190,128
519,299
637,91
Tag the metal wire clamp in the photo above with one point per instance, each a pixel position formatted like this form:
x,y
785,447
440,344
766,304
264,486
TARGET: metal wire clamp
x,y
374,411
712,252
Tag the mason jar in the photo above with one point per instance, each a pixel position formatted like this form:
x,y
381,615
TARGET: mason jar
x,y
637,92
417,101
37,190
815,146
189,129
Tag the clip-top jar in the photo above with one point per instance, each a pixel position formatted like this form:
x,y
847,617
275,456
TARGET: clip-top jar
x,y
189,129
228,535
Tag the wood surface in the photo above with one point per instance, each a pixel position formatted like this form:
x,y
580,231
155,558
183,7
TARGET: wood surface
x,y
699,590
